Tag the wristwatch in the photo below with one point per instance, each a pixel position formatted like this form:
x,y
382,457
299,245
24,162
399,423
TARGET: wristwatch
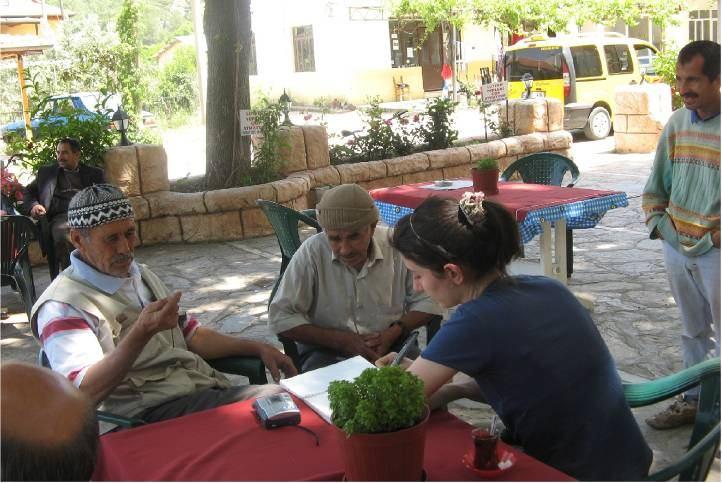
x,y
404,330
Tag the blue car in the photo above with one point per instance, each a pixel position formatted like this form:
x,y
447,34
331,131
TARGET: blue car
x,y
92,103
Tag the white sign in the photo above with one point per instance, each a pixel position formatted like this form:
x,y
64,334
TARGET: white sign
x,y
249,125
494,91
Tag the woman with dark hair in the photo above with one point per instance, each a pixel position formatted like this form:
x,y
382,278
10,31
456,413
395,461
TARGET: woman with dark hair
x,y
529,345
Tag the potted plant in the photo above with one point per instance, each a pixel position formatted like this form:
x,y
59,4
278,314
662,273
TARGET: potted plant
x,y
486,176
381,419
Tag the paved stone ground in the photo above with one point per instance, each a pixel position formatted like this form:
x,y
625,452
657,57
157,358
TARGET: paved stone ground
x,y
615,264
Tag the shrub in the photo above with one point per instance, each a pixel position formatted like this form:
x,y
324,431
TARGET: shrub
x,y
378,401
266,157
437,130
665,66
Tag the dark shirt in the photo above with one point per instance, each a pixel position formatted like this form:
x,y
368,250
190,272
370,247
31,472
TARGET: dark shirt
x,y
68,184
542,365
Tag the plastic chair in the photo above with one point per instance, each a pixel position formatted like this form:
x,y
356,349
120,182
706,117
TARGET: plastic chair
x,y
704,441
17,232
549,169
251,367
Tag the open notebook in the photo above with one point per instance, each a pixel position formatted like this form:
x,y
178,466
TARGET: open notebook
x,y
312,386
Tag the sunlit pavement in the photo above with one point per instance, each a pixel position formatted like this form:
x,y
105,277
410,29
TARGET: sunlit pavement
x,y
615,264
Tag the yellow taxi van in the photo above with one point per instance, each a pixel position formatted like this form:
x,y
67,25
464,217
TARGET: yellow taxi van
x,y
581,70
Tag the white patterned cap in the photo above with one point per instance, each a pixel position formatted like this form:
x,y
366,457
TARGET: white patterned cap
x,y
97,205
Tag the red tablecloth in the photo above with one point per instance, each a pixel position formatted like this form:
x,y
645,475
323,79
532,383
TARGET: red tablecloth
x,y
227,443
518,198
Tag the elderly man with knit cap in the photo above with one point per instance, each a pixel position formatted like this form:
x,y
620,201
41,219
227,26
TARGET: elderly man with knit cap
x,y
112,327
346,291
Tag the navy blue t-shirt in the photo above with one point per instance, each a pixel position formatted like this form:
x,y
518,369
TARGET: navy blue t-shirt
x,y
543,366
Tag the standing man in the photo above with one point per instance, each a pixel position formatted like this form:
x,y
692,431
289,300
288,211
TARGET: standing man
x,y
346,291
681,202
49,194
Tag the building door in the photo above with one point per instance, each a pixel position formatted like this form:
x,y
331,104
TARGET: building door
x,y
432,56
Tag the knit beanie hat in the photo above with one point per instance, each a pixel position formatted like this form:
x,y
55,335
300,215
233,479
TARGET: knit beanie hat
x,y
96,205
346,207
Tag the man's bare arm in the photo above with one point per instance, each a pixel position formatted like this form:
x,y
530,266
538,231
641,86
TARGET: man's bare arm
x,y
345,342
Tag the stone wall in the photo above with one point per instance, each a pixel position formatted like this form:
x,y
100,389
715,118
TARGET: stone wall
x,y
642,112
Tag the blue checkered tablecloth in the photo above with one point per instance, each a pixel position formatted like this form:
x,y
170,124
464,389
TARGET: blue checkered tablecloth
x,y
579,214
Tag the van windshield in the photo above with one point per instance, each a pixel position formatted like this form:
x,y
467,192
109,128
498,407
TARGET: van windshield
x,y
543,63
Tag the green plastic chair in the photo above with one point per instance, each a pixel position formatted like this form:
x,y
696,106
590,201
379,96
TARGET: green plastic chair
x,y
251,367
549,169
705,438
17,232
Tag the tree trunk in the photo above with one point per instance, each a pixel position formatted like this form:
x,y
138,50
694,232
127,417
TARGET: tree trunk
x,y
227,27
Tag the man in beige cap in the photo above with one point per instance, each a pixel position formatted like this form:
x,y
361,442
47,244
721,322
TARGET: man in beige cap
x,y
49,429
346,291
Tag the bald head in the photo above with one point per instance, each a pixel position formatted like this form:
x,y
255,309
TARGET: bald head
x,y
44,421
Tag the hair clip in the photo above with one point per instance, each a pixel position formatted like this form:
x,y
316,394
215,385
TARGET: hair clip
x,y
471,206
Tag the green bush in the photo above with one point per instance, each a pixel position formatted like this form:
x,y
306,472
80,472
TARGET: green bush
x,y
266,157
378,401
177,90
665,66
437,128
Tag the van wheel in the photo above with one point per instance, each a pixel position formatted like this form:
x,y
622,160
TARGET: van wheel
x,y
599,124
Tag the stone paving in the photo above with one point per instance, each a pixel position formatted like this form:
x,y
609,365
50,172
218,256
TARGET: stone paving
x,y
227,286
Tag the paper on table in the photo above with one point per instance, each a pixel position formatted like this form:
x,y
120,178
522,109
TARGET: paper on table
x,y
312,386
454,185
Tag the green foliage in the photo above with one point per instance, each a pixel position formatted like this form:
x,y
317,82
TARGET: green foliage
x,y
487,163
437,128
665,66
177,89
267,157
128,67
92,131
378,401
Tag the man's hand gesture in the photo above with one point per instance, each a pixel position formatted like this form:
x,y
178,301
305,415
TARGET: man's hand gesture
x,y
160,315
276,361
356,345
37,211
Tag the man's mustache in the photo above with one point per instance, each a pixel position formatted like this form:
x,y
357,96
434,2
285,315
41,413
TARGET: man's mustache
x,y
121,259
690,96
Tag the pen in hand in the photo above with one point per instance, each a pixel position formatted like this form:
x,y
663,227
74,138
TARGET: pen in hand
x,y
405,348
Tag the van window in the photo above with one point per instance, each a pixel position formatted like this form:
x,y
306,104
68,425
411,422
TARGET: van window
x,y
646,57
543,63
619,61
586,61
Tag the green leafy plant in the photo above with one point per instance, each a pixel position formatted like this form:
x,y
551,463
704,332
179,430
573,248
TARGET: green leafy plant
x,y
487,163
437,127
378,401
665,66
267,158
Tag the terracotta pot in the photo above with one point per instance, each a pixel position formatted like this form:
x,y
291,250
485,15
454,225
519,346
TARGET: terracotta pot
x,y
395,456
485,180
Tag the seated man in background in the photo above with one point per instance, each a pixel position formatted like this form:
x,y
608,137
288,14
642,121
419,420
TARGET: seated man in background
x,y
51,191
112,327
346,292
49,429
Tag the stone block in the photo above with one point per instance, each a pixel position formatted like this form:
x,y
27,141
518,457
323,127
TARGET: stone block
x,y
654,99
429,175
121,169
354,172
381,183
635,142
302,202
643,124
233,199
160,230
291,149
557,140
153,168
168,203
141,209
454,172
291,188
506,161
303,176
513,145
620,123
530,143
407,164
443,158
212,227
316,140
530,115
555,115
377,169
494,150
255,223
325,176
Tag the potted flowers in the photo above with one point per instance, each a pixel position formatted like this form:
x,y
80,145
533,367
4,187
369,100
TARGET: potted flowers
x,y
486,176
381,421
12,192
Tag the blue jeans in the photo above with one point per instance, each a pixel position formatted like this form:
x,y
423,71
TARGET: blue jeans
x,y
695,283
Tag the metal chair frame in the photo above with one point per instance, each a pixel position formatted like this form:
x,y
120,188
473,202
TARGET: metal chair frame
x,y
17,233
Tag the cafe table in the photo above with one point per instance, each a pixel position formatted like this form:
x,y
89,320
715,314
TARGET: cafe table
x,y
538,209
229,444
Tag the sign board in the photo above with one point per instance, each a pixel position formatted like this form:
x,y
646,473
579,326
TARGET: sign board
x,y
249,125
494,91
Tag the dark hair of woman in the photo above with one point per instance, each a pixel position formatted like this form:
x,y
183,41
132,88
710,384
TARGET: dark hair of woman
x,y
439,231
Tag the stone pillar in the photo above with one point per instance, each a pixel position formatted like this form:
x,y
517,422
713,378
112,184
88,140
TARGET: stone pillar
x,y
527,116
642,111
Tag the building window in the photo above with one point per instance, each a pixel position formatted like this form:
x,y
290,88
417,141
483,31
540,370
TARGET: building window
x,y
303,49
703,25
618,59
252,64
644,30
586,61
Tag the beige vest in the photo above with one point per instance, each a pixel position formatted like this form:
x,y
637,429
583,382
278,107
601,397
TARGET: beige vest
x,y
164,370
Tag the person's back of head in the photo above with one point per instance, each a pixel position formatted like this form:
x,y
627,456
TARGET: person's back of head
x,y
479,235
49,428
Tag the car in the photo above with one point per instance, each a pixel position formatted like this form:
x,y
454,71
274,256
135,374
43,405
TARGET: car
x,y
92,103
582,71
